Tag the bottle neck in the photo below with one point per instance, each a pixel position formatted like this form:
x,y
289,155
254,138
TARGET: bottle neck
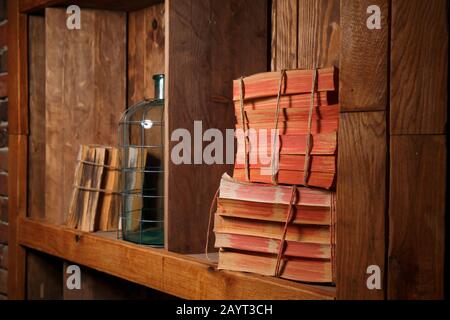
x,y
159,86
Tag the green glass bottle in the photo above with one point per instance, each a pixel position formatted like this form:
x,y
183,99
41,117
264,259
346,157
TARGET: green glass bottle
x,y
142,167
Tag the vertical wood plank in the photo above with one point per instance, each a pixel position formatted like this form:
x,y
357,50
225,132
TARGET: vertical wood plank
x,y
318,33
85,95
284,34
364,57
419,61
36,159
213,43
146,51
17,70
417,217
18,121
43,281
17,199
361,202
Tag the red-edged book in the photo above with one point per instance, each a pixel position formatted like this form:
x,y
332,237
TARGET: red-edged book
x,y
249,223
256,115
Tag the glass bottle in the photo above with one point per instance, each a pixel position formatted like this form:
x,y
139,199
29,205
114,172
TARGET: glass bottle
x,y
142,168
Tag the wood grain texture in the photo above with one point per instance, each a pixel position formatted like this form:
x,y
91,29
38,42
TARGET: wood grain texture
x,y
36,159
175,274
44,277
212,43
361,202
305,33
364,57
120,5
318,33
419,61
97,285
85,95
284,34
17,68
18,144
417,217
17,206
146,51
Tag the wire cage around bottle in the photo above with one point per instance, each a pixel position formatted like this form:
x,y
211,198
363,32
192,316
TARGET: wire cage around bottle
x,y
141,131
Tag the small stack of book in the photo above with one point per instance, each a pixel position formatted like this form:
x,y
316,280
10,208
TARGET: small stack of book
x,y
255,108
249,223
95,203
277,227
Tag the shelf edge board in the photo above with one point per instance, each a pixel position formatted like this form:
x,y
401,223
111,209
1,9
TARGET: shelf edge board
x,y
173,273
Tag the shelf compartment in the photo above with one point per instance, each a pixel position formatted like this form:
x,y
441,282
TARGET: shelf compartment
x,y
180,275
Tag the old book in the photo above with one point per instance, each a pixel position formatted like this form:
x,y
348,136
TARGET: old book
x,y
316,179
297,81
328,114
237,190
290,128
93,170
76,207
319,163
273,230
299,269
134,184
261,143
109,210
304,214
295,101
269,245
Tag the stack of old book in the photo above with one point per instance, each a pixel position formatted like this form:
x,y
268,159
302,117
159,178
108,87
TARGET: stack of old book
x,y
256,116
96,202
281,222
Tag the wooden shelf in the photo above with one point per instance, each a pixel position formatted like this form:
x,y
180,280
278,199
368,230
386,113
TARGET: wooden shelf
x,y
176,274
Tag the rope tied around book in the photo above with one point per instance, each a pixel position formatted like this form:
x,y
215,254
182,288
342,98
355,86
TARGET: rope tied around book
x,y
96,190
307,165
241,99
112,168
289,218
281,90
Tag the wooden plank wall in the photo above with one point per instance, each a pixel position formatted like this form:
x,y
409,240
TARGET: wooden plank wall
x,y
145,57
392,148
330,33
146,51
85,95
362,152
204,54
17,84
43,272
418,118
